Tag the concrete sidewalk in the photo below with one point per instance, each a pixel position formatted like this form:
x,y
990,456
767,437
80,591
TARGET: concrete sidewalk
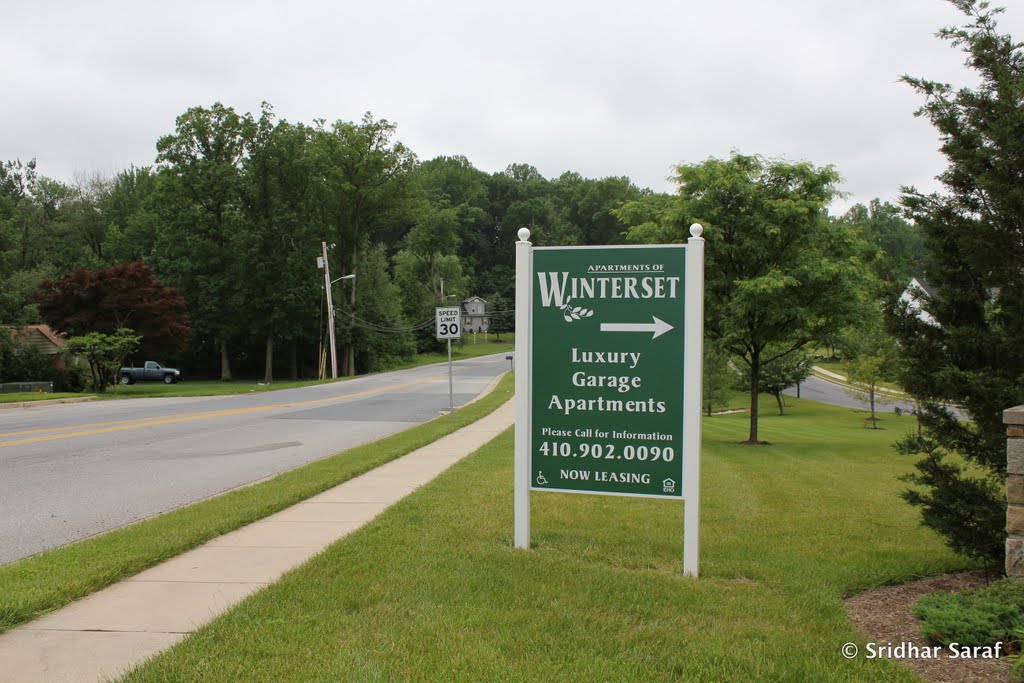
x,y
105,634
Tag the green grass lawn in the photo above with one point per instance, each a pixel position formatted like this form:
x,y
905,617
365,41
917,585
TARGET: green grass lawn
x,y
467,349
203,388
218,388
433,589
38,584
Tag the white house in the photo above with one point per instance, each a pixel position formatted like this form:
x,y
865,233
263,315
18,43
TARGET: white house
x,y
474,315
915,296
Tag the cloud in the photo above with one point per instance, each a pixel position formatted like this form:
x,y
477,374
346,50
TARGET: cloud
x,y
594,87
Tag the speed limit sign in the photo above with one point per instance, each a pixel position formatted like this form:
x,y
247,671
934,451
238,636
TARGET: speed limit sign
x,y
448,322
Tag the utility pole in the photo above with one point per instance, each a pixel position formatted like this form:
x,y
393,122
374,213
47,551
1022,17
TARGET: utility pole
x,y
330,313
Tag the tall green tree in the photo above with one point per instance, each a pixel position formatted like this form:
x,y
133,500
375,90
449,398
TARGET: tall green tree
x,y
587,204
281,241
974,235
454,183
429,271
129,217
202,220
895,247
380,332
365,188
779,275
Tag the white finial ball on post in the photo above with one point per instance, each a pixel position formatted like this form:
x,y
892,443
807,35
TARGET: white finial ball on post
x,y
524,234
696,230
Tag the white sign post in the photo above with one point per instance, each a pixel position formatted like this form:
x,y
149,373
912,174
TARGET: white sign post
x,y
566,299
448,325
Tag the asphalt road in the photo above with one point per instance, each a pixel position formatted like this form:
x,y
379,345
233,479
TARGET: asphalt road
x,y
818,389
74,470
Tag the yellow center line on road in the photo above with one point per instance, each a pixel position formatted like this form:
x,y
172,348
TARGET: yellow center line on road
x,y
136,423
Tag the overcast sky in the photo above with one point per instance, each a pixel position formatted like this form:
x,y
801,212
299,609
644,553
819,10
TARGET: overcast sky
x,y
601,88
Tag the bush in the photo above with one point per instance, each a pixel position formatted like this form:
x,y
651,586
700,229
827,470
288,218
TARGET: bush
x,y
74,379
980,617
21,362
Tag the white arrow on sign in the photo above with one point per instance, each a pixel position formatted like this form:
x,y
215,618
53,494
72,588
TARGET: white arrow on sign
x,y
658,327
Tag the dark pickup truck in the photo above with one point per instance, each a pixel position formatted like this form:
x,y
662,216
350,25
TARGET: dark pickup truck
x,y
152,371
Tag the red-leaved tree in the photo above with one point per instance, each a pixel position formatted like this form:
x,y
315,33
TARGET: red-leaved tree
x,y
106,300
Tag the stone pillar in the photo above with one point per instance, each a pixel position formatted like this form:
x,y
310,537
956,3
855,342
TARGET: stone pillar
x,y
1014,421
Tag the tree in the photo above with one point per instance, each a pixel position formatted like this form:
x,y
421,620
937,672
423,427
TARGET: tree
x,y
587,205
719,378
895,248
502,315
781,373
872,357
109,299
974,236
200,208
364,187
280,282
779,276
381,335
106,354
128,214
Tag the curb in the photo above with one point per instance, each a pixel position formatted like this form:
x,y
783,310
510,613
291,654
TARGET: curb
x,y
47,402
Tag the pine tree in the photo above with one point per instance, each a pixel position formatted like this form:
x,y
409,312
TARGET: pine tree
x,y
974,231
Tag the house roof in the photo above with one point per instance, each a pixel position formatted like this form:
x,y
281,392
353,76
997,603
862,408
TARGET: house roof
x,y
922,284
23,333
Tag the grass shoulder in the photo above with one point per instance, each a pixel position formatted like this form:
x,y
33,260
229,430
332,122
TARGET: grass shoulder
x,y
462,351
31,396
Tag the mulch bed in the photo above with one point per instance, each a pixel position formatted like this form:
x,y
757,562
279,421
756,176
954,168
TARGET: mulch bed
x,y
886,616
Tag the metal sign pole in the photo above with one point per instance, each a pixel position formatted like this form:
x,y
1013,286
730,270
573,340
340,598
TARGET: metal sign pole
x,y
451,396
448,322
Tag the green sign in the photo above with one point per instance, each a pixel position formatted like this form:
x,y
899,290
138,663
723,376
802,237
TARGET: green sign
x,y
607,370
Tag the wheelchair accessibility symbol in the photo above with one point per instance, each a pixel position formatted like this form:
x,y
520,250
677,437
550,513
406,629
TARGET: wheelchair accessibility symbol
x,y
541,479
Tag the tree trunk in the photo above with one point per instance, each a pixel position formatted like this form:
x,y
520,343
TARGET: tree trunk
x,y
755,379
268,368
778,399
293,361
874,420
225,363
97,385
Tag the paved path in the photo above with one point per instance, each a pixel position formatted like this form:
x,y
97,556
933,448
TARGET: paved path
x,y
107,633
